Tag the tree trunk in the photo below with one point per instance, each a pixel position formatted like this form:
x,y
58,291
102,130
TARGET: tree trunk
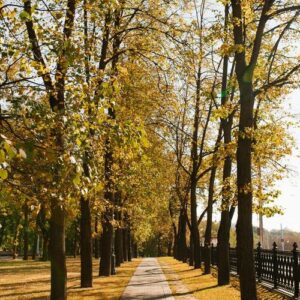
x,y
191,251
86,244
207,254
225,223
42,223
175,242
170,244
96,240
75,245
135,250
57,255
119,246
129,245
2,230
194,227
125,244
45,248
118,231
223,249
15,239
106,248
25,232
35,245
181,243
244,222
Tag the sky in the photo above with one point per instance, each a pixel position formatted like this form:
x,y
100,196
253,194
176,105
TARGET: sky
x,y
289,199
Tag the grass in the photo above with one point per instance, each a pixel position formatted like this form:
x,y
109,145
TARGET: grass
x,y
205,287
31,280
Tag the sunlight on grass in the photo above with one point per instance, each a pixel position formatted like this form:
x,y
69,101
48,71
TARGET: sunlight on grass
x,y
31,280
200,286
205,287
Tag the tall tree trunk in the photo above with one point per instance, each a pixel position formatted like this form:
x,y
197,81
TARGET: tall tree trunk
x,y
86,244
191,251
106,248
244,73
25,232
16,233
194,227
159,250
96,240
244,186
56,97
181,243
86,252
45,248
129,245
125,244
57,255
118,231
224,231
135,250
35,245
225,223
119,246
2,230
207,243
170,244
42,223
175,243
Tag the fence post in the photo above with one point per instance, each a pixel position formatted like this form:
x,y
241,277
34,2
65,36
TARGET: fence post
x,y
296,270
259,262
275,265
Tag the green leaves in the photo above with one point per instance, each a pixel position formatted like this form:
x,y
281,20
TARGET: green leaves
x,y
2,156
24,16
77,179
9,149
3,174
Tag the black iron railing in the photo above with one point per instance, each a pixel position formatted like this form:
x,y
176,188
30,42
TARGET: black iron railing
x,y
281,269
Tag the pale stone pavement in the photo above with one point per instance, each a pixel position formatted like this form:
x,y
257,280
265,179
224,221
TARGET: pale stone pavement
x,y
148,282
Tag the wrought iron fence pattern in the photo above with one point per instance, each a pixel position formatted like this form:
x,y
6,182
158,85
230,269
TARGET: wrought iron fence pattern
x,y
281,269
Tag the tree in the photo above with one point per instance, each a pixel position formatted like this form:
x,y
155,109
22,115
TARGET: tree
x,y
245,70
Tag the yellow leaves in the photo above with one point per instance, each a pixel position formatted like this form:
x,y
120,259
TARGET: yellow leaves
x,y
77,179
246,189
272,141
9,13
248,10
223,111
224,2
40,68
228,49
123,71
3,174
236,21
2,156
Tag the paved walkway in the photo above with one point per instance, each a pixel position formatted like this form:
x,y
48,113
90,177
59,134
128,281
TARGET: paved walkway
x,y
148,282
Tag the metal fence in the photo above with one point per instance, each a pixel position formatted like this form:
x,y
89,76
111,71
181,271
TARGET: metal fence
x,y
280,269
